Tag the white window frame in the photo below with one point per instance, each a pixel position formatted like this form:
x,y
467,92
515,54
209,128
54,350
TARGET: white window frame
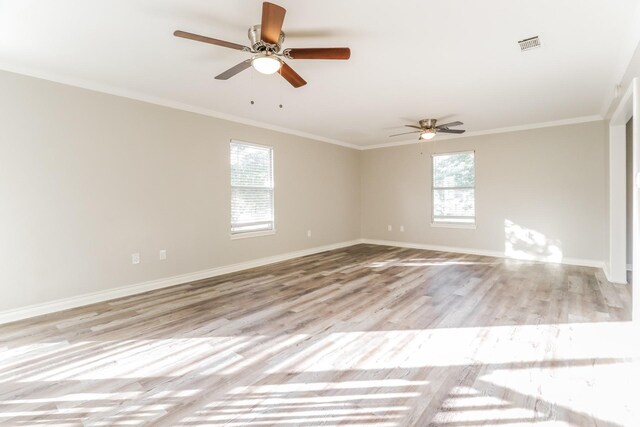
x,y
247,234
453,224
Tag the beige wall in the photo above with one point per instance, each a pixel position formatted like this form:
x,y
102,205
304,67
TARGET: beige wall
x,y
550,183
86,179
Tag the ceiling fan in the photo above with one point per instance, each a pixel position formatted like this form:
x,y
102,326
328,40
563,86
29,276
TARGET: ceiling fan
x,y
266,42
428,129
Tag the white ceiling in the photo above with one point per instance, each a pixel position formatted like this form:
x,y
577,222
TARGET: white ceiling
x,y
412,59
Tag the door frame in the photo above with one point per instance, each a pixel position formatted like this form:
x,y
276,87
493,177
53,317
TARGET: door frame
x,y
616,268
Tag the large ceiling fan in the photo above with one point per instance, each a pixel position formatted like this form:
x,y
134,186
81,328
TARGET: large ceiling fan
x,y
266,42
428,129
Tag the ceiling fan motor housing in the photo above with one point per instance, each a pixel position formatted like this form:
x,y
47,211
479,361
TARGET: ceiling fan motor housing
x,y
266,42
428,123
260,46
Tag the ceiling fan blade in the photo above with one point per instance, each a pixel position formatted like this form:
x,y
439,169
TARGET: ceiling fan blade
x,y
291,76
450,130
209,40
318,53
412,126
234,70
272,19
406,133
447,125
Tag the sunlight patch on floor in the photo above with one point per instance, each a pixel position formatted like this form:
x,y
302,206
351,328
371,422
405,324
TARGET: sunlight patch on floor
x,y
347,352
320,386
462,346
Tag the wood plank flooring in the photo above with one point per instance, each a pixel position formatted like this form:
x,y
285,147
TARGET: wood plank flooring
x,y
362,336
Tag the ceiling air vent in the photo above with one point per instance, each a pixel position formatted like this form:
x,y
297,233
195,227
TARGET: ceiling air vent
x,y
530,43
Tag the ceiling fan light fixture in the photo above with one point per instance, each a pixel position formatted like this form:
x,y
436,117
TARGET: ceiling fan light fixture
x,y
266,64
428,134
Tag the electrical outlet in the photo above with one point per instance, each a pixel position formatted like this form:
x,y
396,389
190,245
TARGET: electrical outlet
x,y
402,228
389,228
308,233
163,254
135,258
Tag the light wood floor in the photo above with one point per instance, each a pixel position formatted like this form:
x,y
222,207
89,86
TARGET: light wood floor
x,y
368,335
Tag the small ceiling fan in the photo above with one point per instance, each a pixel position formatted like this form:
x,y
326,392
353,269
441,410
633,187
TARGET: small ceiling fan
x,y
266,42
428,129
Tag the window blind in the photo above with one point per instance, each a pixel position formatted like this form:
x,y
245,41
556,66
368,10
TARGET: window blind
x,y
454,184
251,188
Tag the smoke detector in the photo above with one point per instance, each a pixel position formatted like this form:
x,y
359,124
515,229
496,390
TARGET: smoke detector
x,y
530,43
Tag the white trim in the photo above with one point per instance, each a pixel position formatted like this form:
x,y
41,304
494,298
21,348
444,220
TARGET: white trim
x,y
109,294
635,113
253,144
605,270
454,225
482,252
572,121
256,233
444,223
138,96
248,234
624,110
449,153
616,266
106,295
610,278
111,90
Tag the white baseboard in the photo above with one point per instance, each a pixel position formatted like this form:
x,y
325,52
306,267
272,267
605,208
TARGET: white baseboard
x,y
482,252
620,280
109,294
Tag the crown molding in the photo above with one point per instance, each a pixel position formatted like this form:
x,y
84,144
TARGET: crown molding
x,y
572,121
139,96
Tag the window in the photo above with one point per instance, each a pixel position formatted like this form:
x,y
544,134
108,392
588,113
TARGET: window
x,y
454,187
251,188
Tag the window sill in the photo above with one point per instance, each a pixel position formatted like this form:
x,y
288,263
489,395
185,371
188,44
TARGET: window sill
x,y
252,234
453,225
